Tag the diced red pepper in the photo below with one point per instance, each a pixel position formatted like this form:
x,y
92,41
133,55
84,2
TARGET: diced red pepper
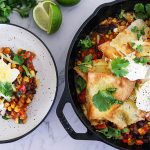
x,y
22,88
101,126
139,142
125,140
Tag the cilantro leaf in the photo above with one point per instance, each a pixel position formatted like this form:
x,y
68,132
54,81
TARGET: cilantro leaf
x,y
87,61
5,117
6,90
110,132
103,100
85,43
142,11
18,59
141,60
118,67
139,7
147,7
81,84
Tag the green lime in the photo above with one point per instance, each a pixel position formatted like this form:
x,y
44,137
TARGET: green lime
x,y
68,2
47,16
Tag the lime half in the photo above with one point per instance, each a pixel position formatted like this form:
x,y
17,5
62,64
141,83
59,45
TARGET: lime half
x,y
68,2
47,16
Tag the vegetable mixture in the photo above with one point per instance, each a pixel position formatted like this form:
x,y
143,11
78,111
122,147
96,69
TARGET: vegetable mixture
x,y
113,76
17,83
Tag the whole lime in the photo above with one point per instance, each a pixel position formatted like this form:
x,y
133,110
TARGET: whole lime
x,y
68,2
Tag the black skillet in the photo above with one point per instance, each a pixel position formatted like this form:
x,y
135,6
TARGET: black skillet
x,y
70,95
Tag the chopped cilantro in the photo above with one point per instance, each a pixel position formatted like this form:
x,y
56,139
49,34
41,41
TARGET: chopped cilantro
x,y
110,132
85,43
23,7
118,67
103,100
122,14
125,130
140,33
139,48
142,11
141,60
18,59
135,29
6,90
87,61
81,84
5,117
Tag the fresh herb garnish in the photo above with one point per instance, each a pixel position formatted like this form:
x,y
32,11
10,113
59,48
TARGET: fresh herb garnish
x,y
142,11
141,60
87,61
6,90
122,14
125,130
139,32
103,100
5,117
27,71
138,48
109,32
18,59
85,43
110,132
118,67
81,84
23,7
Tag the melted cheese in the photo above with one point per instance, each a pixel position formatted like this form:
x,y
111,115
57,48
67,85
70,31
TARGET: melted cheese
x,y
6,73
143,97
120,43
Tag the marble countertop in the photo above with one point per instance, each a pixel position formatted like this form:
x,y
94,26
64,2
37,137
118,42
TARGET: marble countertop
x,y
50,134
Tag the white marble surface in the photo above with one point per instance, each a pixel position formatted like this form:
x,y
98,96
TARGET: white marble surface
x,y
50,135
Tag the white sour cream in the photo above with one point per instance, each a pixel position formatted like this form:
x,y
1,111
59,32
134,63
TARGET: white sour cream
x,y
136,70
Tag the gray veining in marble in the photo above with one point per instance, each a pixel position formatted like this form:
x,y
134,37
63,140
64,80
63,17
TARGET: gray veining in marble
x,y
50,135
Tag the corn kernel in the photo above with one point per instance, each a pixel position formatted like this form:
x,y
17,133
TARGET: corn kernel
x,y
26,79
16,109
13,65
19,50
12,106
6,104
28,100
17,120
32,72
9,108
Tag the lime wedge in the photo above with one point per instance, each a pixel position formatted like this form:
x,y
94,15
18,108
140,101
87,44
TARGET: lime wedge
x,y
47,15
68,2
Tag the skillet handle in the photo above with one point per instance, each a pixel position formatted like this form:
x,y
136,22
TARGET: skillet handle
x,y
78,136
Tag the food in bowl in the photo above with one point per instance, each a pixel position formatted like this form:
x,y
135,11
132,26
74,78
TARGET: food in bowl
x,y
17,83
113,76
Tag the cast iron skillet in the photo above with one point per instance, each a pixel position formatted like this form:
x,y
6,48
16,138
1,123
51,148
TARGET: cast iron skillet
x,y
70,95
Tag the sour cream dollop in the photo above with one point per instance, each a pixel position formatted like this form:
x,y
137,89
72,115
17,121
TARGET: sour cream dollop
x,y
136,70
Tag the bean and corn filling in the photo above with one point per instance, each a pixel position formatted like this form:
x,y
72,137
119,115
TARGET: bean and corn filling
x,y
16,94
